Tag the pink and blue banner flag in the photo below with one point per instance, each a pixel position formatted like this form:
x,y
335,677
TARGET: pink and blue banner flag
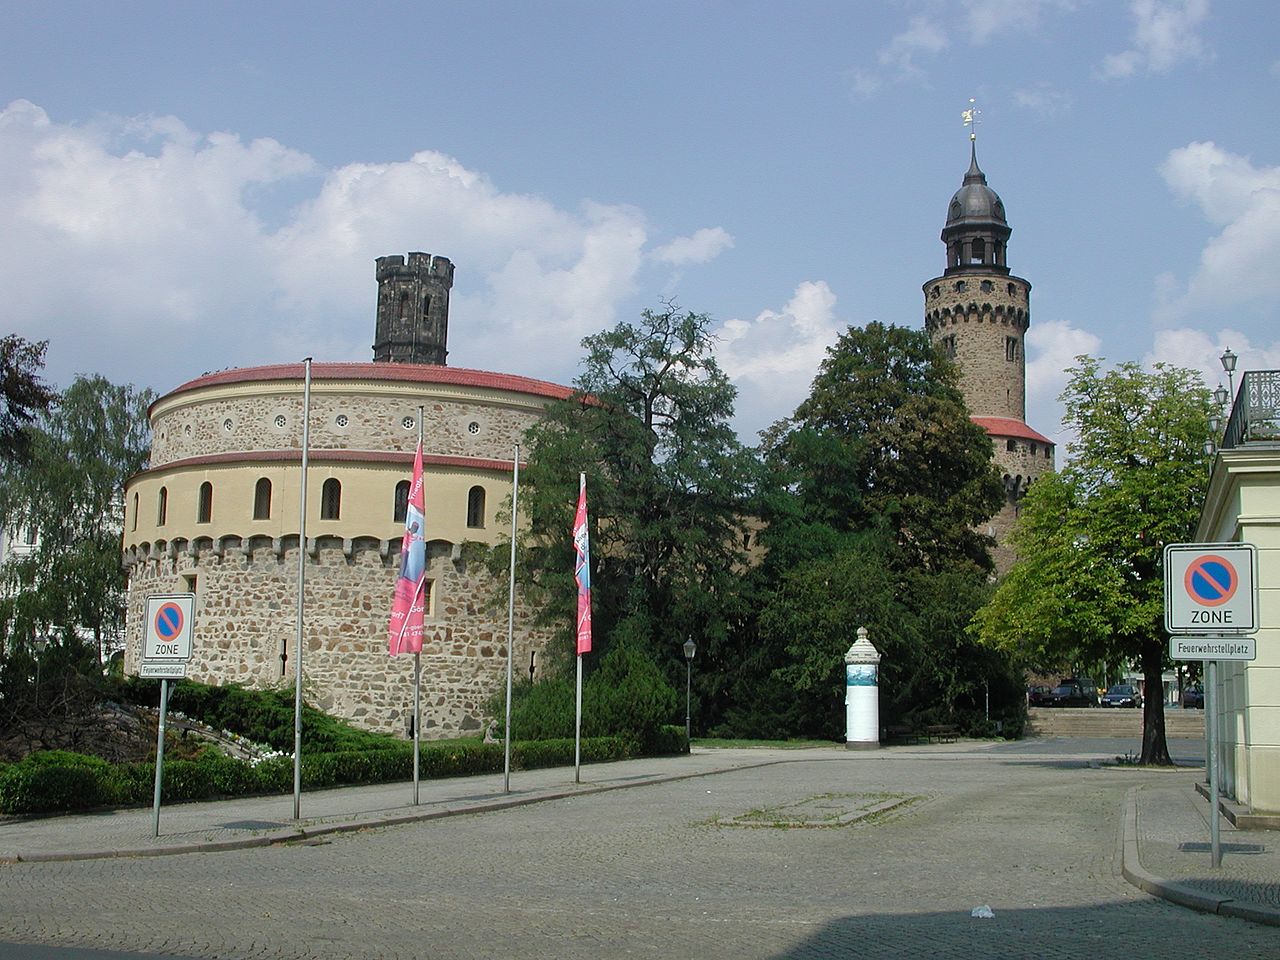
x,y
582,569
408,606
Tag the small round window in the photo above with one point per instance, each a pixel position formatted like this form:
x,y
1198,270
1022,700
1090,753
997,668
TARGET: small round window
x,y
341,420
473,427
407,423
280,421
226,425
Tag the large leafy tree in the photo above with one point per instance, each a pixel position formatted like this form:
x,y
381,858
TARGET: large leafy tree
x,y
23,394
1089,583
668,484
874,489
69,493
884,441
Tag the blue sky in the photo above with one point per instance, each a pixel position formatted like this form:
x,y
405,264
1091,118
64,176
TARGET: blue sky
x,y
187,187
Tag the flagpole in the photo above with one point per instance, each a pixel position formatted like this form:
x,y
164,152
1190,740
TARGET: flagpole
x,y
511,618
302,573
577,718
417,664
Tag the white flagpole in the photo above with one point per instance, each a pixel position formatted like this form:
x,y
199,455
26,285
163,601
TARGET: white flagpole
x,y
302,567
511,619
577,720
417,654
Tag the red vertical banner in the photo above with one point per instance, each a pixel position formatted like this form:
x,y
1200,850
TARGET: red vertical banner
x,y
582,569
408,605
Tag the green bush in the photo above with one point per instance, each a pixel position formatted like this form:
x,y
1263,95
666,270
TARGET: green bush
x,y
53,780
627,697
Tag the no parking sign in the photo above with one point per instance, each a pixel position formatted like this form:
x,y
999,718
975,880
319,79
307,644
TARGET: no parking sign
x,y
1210,589
168,629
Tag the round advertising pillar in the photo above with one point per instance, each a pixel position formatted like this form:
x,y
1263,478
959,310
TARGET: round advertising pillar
x,y
862,694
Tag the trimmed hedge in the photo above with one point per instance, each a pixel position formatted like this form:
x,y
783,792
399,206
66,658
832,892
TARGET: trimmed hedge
x,y
57,780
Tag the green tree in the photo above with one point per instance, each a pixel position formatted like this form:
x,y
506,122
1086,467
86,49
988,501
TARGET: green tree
x,y
874,489
884,442
23,395
667,485
1089,583
69,492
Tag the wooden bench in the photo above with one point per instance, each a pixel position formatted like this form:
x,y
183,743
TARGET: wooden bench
x,y
902,733
942,733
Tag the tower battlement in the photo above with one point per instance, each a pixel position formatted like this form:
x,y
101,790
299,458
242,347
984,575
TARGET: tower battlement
x,y
419,265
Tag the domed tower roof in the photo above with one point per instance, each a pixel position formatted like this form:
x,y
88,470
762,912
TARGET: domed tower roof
x,y
976,230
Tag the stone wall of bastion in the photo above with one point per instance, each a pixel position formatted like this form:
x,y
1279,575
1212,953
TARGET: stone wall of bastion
x,y
246,614
232,429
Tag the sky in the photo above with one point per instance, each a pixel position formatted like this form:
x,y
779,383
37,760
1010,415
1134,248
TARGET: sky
x,y
187,187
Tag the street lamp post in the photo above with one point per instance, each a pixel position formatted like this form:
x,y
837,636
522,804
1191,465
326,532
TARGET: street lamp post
x,y
690,648
38,644
1229,364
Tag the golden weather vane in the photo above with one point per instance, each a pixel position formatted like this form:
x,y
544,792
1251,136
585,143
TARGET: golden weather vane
x,y
971,118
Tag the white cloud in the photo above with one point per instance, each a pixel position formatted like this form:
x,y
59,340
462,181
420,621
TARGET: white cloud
x,y
1237,267
702,247
151,253
774,358
897,60
1052,348
984,19
1164,36
1045,100
1198,350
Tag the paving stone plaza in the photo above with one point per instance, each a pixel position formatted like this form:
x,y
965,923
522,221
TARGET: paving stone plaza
x,y
783,854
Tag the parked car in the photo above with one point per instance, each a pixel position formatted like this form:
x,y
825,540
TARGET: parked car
x,y
1122,695
1036,695
1070,694
1193,698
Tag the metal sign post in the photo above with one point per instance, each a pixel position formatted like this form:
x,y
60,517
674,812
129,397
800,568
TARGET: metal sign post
x,y
166,648
1210,605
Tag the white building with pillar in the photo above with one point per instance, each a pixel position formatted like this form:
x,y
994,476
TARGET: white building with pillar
x,y
1243,506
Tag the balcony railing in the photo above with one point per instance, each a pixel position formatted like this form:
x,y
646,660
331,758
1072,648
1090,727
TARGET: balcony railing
x,y
1255,417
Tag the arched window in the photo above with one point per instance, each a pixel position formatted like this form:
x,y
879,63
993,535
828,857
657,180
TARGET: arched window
x,y
404,305
135,512
162,507
401,508
1011,445
1011,348
262,499
204,510
331,499
426,307
475,507
978,251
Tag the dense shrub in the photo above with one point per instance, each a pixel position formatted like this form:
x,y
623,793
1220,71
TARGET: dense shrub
x,y
53,780
627,697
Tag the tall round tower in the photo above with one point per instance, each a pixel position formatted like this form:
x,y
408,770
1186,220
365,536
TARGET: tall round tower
x,y
413,309
978,312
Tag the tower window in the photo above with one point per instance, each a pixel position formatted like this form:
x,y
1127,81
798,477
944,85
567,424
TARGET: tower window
x,y
262,499
949,346
961,286
401,508
1011,445
426,307
1012,289
987,286
475,507
162,507
978,252
1011,348
135,512
404,305
204,508
331,499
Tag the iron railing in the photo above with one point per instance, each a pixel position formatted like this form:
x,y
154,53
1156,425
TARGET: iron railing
x,y
1255,416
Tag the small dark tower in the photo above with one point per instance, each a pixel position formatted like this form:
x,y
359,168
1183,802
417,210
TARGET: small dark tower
x,y
413,309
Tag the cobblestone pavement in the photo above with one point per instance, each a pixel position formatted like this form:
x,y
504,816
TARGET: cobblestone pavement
x,y
669,870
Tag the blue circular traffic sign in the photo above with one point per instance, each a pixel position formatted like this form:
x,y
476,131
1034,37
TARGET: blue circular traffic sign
x,y
168,622
1211,580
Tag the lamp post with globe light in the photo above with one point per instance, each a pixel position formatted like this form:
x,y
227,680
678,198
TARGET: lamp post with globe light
x,y
690,648
1229,364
